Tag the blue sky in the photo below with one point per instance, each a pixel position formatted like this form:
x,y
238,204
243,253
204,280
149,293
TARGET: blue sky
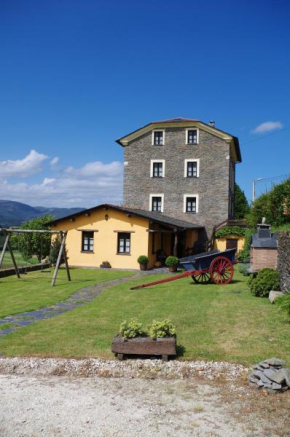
x,y
77,75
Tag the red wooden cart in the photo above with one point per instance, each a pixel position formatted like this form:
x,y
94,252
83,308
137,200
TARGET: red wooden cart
x,y
212,266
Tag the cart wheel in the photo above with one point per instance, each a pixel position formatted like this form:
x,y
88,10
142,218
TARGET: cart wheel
x,y
120,357
202,278
221,270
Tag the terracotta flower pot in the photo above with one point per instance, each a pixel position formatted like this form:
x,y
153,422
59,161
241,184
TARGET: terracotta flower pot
x,y
143,266
172,268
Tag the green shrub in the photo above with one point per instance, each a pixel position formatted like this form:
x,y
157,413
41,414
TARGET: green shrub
x,y
283,302
143,259
131,329
245,253
243,269
228,230
54,251
161,329
106,265
265,281
171,261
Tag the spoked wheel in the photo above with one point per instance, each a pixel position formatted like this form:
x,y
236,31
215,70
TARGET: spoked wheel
x,y
202,278
221,270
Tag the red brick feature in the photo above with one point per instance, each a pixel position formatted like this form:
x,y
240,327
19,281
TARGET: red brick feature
x,y
262,258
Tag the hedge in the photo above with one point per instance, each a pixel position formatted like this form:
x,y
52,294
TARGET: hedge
x,y
228,230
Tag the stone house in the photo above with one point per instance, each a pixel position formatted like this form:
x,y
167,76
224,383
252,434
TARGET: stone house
x,y
181,168
179,179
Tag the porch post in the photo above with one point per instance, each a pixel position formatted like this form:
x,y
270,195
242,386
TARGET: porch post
x,y
175,242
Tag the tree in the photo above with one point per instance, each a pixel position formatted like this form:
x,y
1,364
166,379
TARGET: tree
x,y
241,204
274,206
54,251
34,244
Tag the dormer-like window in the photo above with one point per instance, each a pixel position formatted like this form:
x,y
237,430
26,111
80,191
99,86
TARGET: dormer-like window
x,y
192,136
158,137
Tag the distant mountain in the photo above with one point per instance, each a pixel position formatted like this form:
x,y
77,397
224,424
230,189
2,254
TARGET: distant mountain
x,y
15,213
58,212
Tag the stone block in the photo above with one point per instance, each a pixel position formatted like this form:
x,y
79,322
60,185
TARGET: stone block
x,y
286,373
278,377
275,362
273,295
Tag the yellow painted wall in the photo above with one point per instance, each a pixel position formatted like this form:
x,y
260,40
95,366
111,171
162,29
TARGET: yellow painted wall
x,y
191,238
221,243
105,240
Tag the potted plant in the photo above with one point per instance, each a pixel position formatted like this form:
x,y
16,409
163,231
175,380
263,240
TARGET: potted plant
x,y
172,262
143,261
105,265
132,339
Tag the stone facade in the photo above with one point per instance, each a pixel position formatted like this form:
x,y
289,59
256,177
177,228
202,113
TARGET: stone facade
x,y
214,186
284,260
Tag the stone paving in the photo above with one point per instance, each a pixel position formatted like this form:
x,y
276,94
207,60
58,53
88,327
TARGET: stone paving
x,y
77,299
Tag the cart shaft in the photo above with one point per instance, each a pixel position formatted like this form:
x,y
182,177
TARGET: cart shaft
x,y
171,278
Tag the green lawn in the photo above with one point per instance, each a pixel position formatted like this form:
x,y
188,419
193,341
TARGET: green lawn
x,y
213,323
34,290
7,261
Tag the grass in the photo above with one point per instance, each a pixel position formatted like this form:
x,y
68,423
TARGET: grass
x,y
213,323
7,261
34,290
6,326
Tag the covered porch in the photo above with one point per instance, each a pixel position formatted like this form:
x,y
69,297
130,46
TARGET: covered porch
x,y
166,240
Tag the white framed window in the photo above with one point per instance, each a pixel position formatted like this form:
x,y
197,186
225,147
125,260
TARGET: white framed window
x,y
157,168
87,241
156,202
190,203
192,136
191,168
124,243
158,137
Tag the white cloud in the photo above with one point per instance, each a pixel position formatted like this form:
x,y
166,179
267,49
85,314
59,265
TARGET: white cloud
x,y
54,161
22,168
87,186
267,126
96,168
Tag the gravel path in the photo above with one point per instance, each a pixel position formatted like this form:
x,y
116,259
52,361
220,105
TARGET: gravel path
x,y
36,401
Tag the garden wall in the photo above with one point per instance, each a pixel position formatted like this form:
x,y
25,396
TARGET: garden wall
x,y
283,264
10,272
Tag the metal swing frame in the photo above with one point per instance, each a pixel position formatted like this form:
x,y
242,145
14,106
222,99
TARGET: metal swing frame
x,y
63,234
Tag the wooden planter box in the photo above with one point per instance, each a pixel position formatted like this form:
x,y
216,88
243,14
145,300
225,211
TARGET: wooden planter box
x,y
164,347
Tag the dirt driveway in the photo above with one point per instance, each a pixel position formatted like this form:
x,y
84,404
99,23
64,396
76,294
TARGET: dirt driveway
x,y
99,398
93,406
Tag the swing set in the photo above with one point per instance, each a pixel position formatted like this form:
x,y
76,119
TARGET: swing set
x,y
61,253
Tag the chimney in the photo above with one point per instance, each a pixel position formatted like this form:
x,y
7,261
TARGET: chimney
x,y
212,123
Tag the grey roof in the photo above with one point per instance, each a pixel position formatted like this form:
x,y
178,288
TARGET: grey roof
x,y
156,217
266,243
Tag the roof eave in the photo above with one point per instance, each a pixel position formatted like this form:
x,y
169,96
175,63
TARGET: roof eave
x,y
125,210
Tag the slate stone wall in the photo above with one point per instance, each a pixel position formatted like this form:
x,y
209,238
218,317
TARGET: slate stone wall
x,y
23,270
212,186
283,264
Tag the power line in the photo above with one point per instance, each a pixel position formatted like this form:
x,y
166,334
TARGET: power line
x,y
274,177
266,136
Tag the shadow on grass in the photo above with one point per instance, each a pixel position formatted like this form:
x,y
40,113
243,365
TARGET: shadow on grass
x,y
180,350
